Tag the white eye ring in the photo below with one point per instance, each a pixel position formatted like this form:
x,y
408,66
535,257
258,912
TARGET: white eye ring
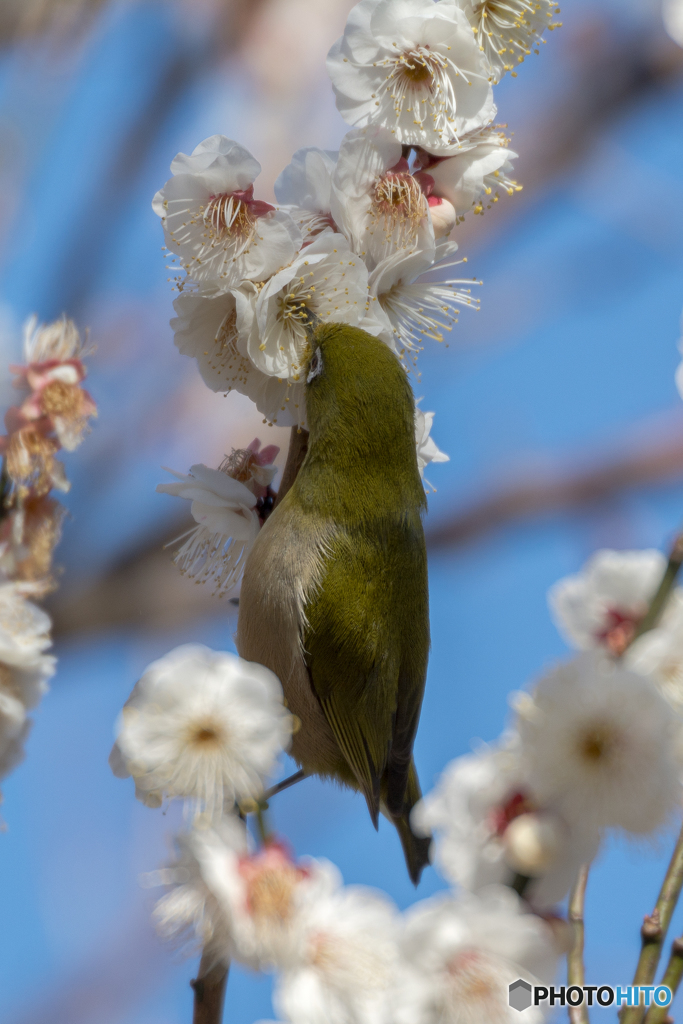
x,y
316,366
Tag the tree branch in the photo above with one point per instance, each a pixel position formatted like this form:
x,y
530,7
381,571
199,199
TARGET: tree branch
x,y
658,602
655,927
672,978
209,992
576,974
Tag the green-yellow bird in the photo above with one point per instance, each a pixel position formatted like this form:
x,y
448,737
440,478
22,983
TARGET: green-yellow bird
x,y
334,597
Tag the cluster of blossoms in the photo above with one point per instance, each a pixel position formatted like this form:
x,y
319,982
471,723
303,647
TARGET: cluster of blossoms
x,y
359,236
596,745
207,728
53,414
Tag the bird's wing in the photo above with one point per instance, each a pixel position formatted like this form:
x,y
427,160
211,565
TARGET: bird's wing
x,y
366,644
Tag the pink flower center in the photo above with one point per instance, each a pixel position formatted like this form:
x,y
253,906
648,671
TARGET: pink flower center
x,y
235,213
620,629
400,199
518,803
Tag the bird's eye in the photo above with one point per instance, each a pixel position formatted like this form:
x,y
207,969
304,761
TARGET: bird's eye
x,y
316,366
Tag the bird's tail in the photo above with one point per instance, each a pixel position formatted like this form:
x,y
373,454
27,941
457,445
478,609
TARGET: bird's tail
x,y
415,848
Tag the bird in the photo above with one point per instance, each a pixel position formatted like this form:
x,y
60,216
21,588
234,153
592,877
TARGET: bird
x,y
334,598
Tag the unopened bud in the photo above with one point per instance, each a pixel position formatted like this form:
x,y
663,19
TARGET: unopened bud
x,y
443,216
532,843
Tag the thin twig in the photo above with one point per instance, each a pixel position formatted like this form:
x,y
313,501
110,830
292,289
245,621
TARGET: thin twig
x,y
672,978
658,602
576,974
655,927
209,992
291,780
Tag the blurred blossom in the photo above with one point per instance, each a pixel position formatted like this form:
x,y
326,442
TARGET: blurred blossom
x,y
344,968
29,534
260,894
212,221
658,654
601,745
55,411
189,915
413,68
460,956
24,628
202,726
672,13
24,668
602,605
477,801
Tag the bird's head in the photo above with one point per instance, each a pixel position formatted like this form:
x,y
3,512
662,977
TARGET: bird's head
x,y
354,381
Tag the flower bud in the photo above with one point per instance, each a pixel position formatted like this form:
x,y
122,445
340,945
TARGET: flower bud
x,y
443,216
532,843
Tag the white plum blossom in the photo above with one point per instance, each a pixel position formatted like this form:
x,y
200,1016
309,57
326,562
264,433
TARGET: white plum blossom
x,y
189,914
413,67
24,668
24,628
227,525
459,957
333,947
203,726
304,189
602,605
506,30
376,201
212,221
427,450
216,331
658,654
473,171
344,968
476,802
325,280
262,895
416,309
27,684
600,744
12,742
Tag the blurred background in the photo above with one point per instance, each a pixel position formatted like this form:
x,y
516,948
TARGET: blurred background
x,y
556,404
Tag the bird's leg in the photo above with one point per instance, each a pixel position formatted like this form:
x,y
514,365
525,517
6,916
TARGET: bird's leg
x,y
291,780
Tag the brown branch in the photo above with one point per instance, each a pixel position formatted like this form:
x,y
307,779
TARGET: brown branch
x,y
576,974
655,927
209,992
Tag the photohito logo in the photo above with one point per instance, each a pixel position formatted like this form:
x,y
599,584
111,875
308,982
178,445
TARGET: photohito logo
x,y
522,995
